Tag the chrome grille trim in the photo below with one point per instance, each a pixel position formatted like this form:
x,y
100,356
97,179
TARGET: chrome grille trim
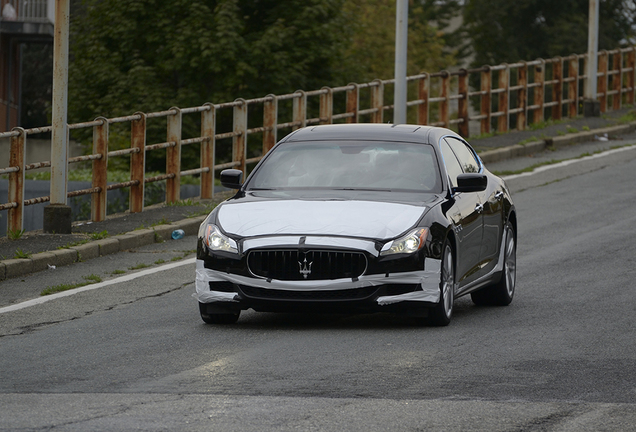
x,y
289,264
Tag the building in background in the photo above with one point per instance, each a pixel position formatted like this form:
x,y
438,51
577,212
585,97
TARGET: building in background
x,y
21,22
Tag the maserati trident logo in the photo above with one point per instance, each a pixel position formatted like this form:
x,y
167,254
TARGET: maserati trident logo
x,y
305,268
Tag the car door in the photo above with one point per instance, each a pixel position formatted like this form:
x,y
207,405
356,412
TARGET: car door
x,y
466,215
491,205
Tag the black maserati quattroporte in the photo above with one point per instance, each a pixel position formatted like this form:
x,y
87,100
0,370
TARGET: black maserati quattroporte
x,y
359,218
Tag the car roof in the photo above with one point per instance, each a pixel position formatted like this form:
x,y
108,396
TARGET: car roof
x,y
370,131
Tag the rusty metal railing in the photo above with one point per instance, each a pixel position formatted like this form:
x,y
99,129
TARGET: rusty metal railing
x,y
501,98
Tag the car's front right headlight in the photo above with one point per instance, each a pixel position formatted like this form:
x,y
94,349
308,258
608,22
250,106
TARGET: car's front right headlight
x,y
217,241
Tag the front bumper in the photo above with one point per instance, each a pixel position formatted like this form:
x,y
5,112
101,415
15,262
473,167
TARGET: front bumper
x,y
423,287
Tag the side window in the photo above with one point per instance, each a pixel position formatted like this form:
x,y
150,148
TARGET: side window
x,y
465,156
452,164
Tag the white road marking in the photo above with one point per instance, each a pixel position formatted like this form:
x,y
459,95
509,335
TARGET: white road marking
x,y
90,287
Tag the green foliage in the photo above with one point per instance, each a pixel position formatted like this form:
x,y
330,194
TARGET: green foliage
x,y
371,52
149,55
14,234
99,236
508,31
20,254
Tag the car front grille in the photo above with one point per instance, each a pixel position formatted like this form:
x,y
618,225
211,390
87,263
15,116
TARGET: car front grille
x,y
310,265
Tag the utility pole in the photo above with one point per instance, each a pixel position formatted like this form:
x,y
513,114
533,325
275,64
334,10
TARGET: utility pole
x,y
591,106
57,215
401,42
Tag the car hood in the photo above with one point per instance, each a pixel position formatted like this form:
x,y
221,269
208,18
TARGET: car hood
x,y
351,218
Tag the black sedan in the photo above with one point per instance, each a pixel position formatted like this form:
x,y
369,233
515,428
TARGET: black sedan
x,y
359,218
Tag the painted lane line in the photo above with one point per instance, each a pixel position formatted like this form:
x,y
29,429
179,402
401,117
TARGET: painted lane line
x,y
568,162
90,287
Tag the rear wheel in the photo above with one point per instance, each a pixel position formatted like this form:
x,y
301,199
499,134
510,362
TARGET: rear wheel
x,y
441,314
218,318
502,292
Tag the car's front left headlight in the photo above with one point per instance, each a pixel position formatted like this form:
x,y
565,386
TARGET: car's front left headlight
x,y
410,243
217,241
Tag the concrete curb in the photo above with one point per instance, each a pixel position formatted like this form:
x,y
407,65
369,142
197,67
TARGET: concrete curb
x,y
519,150
14,268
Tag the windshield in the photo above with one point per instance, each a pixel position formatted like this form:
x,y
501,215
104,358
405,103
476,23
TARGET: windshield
x,y
349,165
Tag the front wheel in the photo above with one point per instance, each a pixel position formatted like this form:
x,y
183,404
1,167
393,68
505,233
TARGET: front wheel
x,y
218,318
441,314
501,293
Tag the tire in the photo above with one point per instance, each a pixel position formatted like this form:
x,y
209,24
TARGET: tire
x,y
218,318
441,314
501,292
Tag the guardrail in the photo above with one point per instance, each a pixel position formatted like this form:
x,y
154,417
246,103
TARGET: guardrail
x,y
508,96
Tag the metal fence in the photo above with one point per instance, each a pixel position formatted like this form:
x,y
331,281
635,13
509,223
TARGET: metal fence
x,y
492,98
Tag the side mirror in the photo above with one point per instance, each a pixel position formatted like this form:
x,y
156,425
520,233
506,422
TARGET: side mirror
x,y
471,182
232,178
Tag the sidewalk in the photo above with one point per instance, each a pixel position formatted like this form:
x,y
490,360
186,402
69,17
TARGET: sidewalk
x,y
125,231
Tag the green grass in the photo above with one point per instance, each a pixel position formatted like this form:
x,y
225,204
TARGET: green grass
x,y
182,203
138,266
14,234
72,244
99,236
20,254
177,258
160,261
90,279
118,272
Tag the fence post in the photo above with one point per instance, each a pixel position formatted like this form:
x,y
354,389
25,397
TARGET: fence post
x,y
486,87
15,218
326,106
423,90
239,141
377,101
445,95
138,163
603,78
270,120
573,86
99,202
631,71
557,88
539,78
353,103
462,103
617,80
504,97
300,110
522,96
208,130
173,157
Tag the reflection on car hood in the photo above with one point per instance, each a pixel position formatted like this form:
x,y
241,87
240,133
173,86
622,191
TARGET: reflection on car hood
x,y
365,219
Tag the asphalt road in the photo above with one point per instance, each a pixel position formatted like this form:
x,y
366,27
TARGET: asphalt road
x,y
134,354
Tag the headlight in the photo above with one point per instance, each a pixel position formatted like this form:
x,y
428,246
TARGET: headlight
x,y
217,241
412,242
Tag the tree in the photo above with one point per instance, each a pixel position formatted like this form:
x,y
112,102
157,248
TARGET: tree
x,y
150,54
370,51
506,31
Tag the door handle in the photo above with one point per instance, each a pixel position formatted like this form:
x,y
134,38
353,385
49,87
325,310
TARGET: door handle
x,y
479,208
